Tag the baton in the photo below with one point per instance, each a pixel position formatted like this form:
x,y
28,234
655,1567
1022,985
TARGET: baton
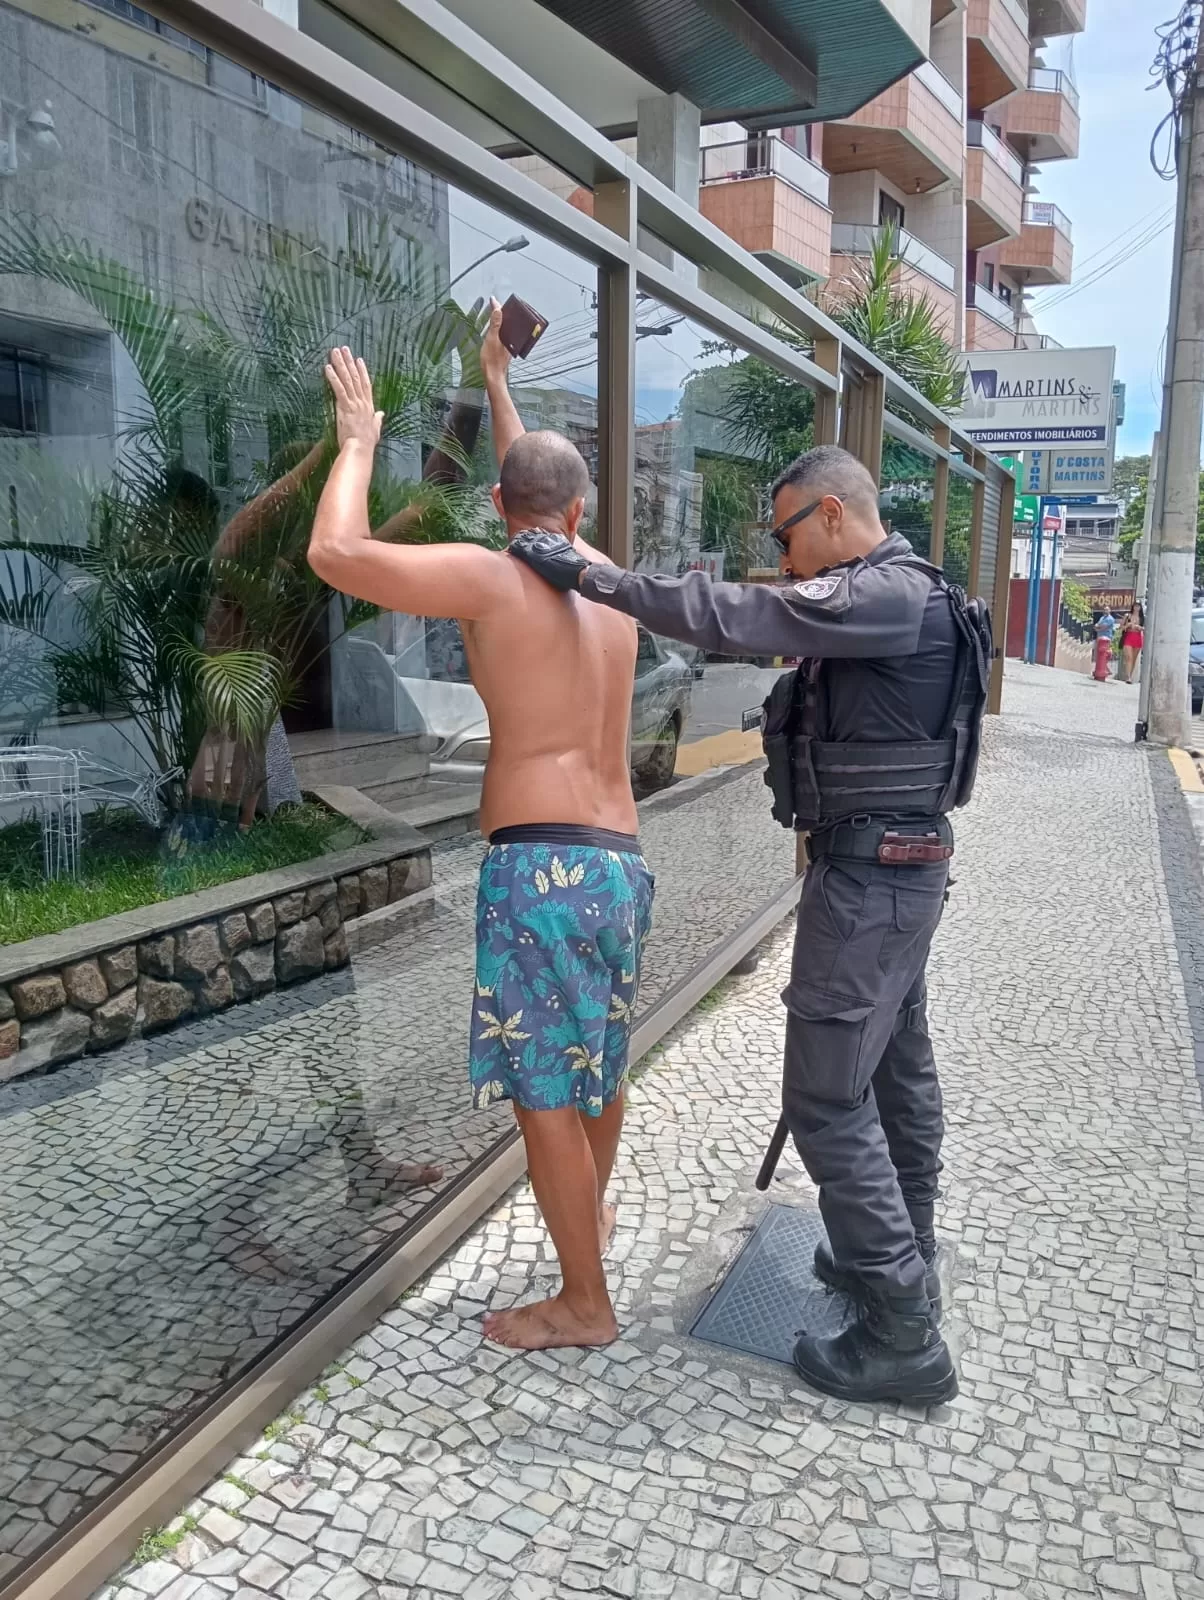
x,y
773,1155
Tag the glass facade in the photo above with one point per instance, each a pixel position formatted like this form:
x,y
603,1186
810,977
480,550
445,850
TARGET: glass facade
x,y
183,703
959,518
218,1111
906,498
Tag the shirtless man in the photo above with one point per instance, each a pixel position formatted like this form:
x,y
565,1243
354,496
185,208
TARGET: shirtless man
x,y
565,898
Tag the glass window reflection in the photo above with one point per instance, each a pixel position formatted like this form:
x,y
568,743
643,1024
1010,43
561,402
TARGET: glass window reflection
x,y
906,496
207,1133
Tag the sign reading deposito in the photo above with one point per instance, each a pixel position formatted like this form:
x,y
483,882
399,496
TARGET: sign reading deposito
x,y
1110,599
1038,399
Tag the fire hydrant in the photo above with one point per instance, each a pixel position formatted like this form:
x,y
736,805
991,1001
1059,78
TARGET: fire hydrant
x,y
1103,656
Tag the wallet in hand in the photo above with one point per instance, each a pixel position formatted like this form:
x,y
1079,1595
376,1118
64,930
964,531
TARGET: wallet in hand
x,y
521,327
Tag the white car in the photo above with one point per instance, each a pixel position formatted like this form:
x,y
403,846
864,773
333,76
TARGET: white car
x,y
432,674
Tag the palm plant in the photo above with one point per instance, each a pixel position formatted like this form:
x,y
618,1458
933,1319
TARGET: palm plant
x,y
189,629
771,416
899,326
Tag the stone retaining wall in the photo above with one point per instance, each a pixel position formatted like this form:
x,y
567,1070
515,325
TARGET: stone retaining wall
x,y
110,991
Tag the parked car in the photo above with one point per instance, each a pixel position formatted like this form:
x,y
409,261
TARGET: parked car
x,y
433,676
1195,665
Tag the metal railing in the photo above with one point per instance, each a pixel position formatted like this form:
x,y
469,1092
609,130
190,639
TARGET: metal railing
x,y
760,156
1052,80
857,239
938,84
1044,214
992,305
982,137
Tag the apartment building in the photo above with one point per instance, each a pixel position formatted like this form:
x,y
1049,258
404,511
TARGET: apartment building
x,y
948,151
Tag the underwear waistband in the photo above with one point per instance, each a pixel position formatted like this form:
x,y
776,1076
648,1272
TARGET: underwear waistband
x,y
569,834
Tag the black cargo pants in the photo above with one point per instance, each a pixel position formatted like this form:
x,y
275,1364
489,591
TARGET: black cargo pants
x,y
860,1091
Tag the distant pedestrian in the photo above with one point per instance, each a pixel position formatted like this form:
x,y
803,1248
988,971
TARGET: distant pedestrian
x,y
1132,636
1105,627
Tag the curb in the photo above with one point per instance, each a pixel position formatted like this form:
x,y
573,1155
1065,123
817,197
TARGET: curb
x,y
1187,770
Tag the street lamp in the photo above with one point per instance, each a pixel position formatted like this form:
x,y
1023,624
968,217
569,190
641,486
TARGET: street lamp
x,y
519,242
29,142
658,332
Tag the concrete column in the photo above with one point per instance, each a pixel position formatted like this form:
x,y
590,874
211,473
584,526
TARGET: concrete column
x,y
940,498
668,136
1002,592
614,208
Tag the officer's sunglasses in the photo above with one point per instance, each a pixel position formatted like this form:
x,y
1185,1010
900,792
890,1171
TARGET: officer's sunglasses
x,y
779,532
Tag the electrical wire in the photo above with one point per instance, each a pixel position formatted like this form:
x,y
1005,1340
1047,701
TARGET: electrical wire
x,y
1159,211
1104,268
1174,69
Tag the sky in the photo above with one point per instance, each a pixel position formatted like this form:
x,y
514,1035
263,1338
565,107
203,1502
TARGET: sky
x,y
1113,198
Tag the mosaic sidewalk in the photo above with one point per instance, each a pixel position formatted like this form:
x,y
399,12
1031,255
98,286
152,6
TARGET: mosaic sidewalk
x,y
428,1464
171,1208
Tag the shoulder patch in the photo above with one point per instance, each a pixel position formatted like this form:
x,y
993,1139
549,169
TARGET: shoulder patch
x,y
817,588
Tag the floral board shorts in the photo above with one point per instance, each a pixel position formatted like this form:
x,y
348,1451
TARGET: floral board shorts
x,y
563,914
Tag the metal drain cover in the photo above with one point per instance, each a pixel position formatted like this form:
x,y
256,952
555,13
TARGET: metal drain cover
x,y
770,1292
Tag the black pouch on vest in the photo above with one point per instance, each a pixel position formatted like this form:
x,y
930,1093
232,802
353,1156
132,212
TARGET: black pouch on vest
x,y
777,729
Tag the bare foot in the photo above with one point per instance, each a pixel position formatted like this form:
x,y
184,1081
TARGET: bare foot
x,y
607,1217
369,1182
549,1325
416,1174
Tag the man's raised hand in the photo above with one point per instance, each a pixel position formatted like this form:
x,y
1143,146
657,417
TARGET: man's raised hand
x,y
552,556
495,358
356,419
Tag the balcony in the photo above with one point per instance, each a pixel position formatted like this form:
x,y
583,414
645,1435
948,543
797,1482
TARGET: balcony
x,y
997,50
913,134
771,199
1048,19
1044,118
1043,253
994,188
921,271
990,319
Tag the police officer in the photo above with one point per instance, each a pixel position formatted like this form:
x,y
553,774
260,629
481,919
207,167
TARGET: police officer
x,y
870,743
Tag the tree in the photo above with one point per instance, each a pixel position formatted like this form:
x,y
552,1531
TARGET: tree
x,y
1134,521
899,326
771,416
1076,600
1129,473
192,630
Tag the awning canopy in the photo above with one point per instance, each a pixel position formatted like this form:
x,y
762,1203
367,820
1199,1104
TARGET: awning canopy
x,y
766,62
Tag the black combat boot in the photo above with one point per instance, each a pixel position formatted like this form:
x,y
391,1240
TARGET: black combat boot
x,y
892,1351
845,1282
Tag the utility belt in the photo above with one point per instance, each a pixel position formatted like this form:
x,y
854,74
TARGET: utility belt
x,y
889,842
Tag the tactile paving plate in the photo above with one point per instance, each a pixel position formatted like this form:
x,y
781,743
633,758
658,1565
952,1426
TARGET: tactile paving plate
x,y
770,1293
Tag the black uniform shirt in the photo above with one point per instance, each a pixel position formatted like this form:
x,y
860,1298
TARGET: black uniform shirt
x,y
886,629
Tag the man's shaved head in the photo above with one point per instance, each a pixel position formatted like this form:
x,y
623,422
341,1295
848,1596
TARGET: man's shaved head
x,y
543,476
830,470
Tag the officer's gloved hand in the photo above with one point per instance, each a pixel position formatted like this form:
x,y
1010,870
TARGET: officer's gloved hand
x,y
552,556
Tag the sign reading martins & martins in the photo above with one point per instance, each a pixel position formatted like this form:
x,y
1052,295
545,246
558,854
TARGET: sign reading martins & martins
x,y
1038,399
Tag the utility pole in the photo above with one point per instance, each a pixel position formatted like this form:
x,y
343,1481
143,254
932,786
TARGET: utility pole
x,y
1147,522
1173,526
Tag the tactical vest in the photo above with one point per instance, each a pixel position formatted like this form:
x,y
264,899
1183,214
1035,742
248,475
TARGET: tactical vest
x,y
816,781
